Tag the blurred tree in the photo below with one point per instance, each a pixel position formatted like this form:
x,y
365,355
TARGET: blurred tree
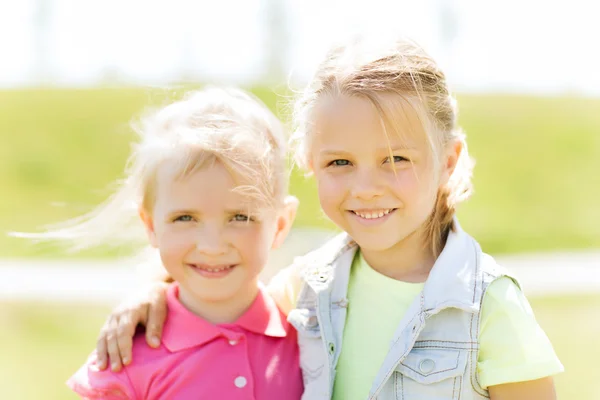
x,y
276,41
448,21
42,19
448,30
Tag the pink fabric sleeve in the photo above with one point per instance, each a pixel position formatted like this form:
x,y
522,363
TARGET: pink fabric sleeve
x,y
91,383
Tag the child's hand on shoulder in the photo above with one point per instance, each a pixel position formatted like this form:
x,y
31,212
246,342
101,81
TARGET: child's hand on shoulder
x,y
147,308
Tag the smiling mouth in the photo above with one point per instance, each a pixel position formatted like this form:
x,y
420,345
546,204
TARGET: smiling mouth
x,y
373,214
216,268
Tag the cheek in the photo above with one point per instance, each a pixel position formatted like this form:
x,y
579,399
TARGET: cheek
x,y
172,240
330,188
404,183
413,185
253,243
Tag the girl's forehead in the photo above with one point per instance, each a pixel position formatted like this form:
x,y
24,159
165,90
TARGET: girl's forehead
x,y
349,109
210,178
355,120
211,186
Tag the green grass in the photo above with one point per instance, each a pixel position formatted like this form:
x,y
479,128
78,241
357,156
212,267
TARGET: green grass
x,y
45,344
536,176
42,345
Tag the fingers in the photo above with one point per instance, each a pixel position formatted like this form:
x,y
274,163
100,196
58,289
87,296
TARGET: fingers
x,y
157,314
101,347
112,346
115,342
125,332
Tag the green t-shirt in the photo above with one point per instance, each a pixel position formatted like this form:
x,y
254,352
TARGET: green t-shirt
x,y
513,348
376,306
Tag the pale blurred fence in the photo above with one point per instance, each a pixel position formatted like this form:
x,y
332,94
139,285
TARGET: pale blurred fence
x,y
112,280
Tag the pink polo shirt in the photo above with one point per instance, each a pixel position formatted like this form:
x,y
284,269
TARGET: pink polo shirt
x,y
254,358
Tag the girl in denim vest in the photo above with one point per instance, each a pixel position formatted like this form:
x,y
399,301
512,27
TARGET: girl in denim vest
x,y
403,304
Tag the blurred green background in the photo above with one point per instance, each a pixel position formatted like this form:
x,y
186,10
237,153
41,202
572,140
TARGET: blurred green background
x,y
48,342
536,175
536,189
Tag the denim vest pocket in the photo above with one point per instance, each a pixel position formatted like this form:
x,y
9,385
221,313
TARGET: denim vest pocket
x,y
313,358
431,374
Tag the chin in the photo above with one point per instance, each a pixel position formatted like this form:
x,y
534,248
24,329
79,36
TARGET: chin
x,y
374,243
215,297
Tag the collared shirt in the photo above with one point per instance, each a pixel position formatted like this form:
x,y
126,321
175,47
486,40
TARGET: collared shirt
x,y
254,358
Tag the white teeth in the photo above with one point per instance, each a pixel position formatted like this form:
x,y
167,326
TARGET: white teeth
x,y
373,214
216,269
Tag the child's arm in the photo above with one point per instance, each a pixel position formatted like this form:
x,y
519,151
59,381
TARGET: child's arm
x,y
285,286
539,389
90,383
149,308
516,359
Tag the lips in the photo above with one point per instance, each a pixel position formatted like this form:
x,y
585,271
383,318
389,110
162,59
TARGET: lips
x,y
373,213
216,268
212,271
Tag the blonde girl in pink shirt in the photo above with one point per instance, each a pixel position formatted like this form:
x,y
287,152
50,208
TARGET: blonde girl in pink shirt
x,y
208,180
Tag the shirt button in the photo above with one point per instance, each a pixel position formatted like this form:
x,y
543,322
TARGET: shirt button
x,y
427,365
233,342
312,322
240,382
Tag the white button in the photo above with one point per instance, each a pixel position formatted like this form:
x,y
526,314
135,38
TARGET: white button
x,y
233,342
427,366
240,381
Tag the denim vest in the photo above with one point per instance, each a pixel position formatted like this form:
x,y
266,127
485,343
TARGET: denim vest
x,y
433,354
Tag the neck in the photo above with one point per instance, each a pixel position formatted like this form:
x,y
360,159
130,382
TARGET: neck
x,y
409,260
225,311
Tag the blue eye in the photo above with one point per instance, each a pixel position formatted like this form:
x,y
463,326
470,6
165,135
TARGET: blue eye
x,y
184,218
397,159
340,163
241,218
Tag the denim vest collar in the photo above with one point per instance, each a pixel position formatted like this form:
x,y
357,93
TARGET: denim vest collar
x,y
450,282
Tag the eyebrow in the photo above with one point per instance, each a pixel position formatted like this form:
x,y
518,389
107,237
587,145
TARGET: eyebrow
x,y
181,212
334,152
385,149
396,148
227,211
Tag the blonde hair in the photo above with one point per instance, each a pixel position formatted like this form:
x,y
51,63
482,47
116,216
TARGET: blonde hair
x,y
215,124
402,72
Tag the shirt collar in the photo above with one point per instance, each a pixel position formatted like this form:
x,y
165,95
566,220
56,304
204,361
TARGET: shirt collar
x,y
264,317
184,329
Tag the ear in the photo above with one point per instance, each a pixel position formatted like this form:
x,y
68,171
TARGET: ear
x,y
285,220
310,166
149,225
451,157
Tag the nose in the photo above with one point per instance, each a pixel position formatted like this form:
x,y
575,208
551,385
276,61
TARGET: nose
x,y
211,242
366,185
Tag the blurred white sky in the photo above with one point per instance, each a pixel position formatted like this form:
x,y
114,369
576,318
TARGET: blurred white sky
x,y
509,45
